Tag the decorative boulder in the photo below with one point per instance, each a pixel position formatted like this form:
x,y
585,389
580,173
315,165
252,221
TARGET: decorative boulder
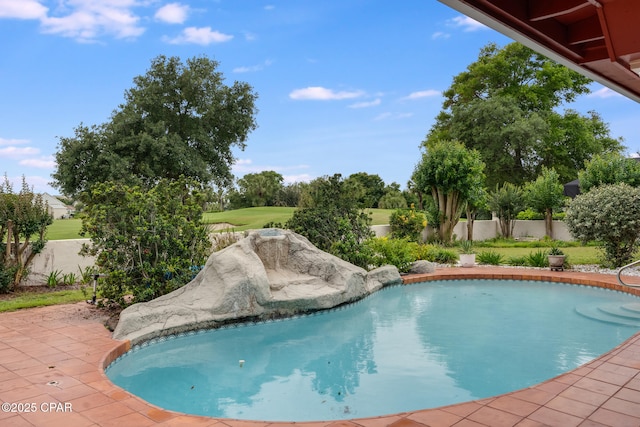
x,y
269,273
422,267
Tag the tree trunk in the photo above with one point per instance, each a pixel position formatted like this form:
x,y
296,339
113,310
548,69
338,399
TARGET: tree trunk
x,y
471,217
548,223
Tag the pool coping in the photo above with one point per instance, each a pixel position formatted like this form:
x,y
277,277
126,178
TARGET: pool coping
x,y
603,392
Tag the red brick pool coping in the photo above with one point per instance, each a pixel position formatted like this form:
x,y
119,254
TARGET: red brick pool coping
x,y
52,360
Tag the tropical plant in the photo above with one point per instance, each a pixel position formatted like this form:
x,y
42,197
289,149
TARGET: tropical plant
x,y
556,251
610,215
538,259
54,278
506,201
489,257
69,279
545,195
450,173
466,247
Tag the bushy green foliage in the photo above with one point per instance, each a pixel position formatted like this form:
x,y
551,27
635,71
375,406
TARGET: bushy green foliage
x,y
609,214
435,253
529,215
147,242
407,224
545,195
609,168
259,189
451,173
330,219
489,257
506,201
538,259
397,252
22,216
179,119
392,200
517,261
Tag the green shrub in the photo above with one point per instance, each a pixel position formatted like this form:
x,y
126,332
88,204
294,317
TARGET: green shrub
x,y
528,215
609,214
147,241
385,251
435,253
538,259
407,224
489,258
517,261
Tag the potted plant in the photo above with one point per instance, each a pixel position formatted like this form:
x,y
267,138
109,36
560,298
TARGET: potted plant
x,y
467,254
556,259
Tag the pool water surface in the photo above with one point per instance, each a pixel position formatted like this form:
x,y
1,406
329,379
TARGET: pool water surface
x,y
403,348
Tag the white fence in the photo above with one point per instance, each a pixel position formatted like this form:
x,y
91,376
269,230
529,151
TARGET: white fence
x,y
62,255
489,229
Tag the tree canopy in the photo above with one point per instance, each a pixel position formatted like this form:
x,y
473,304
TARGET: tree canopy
x,y
24,218
179,119
611,168
506,105
451,173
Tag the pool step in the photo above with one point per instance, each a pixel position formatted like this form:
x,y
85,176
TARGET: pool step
x,y
627,314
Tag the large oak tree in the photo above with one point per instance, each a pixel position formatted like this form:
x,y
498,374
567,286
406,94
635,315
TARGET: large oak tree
x,y
179,119
507,105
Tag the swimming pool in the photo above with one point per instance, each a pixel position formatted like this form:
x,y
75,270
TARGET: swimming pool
x,y
403,348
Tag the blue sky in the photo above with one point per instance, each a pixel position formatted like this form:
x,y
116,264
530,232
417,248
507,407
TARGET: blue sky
x,y
344,86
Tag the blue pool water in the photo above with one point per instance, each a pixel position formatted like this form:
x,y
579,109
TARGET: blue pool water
x,y
401,349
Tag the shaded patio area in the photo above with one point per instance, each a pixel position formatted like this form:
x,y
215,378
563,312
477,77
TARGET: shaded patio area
x,y
51,362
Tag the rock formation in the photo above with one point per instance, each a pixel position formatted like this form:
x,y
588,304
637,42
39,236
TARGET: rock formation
x,y
269,273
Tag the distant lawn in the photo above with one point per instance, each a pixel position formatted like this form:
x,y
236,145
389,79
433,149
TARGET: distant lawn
x,y
254,218
241,219
64,229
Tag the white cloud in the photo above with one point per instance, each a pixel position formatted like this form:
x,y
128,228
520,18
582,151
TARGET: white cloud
x,y
269,7
423,94
15,152
440,35
22,9
4,141
604,92
303,177
467,24
203,36
366,104
253,68
172,13
86,20
392,116
323,94
41,163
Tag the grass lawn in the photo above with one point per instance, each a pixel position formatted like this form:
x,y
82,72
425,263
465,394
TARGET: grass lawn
x,y
29,299
64,229
252,218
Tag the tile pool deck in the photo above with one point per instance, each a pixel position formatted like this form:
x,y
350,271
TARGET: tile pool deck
x,y
51,362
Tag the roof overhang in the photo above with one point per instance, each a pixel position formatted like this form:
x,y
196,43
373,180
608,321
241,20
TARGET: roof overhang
x,y
597,38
